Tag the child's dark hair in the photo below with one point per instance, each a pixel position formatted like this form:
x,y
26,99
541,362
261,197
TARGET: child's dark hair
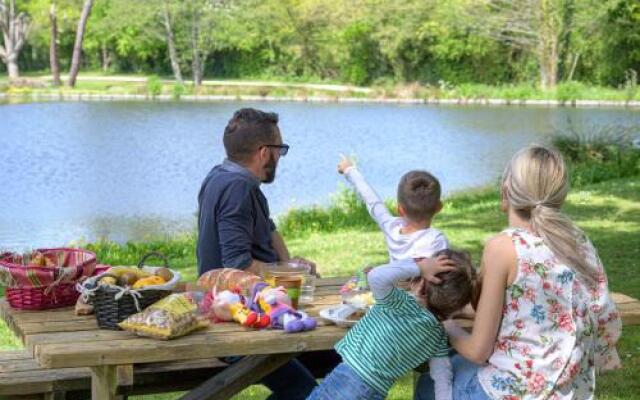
x,y
419,195
458,288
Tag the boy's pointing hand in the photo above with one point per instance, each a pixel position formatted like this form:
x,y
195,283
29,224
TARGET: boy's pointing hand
x,y
344,164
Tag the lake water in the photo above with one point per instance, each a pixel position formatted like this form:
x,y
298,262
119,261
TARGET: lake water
x,y
132,170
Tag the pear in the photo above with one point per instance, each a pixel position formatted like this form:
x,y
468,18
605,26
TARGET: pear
x,y
164,273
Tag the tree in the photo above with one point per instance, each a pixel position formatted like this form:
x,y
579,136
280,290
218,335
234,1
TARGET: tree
x,y
53,49
171,43
77,47
15,29
543,28
534,26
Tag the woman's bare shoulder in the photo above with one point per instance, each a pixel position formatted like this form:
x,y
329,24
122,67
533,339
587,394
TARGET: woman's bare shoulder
x,y
499,251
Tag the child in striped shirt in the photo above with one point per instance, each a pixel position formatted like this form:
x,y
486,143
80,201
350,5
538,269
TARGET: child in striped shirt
x,y
401,331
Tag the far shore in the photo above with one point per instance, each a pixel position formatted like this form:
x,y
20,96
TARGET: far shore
x,y
97,87
35,96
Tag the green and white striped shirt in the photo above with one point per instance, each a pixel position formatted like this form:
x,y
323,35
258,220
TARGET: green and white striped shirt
x,y
395,336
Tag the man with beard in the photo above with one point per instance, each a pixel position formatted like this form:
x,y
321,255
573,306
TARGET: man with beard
x,y
234,225
235,229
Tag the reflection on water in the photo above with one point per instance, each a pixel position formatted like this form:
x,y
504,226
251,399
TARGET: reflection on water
x,y
132,170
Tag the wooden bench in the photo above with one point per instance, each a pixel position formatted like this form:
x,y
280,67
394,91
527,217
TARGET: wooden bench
x,y
22,378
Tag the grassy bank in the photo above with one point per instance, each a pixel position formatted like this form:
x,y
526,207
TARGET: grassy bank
x,y
342,239
153,86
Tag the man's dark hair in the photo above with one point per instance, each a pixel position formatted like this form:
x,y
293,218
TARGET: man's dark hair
x,y
247,131
458,288
419,195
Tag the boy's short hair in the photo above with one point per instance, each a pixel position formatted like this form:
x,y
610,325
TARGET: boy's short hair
x,y
419,195
247,130
458,288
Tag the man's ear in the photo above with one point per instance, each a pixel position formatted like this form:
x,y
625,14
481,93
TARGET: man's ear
x,y
263,153
438,207
401,211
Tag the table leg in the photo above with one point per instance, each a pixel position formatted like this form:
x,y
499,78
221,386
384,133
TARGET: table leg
x,y
238,376
104,382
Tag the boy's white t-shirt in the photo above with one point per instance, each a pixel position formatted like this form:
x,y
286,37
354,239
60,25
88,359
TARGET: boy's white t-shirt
x,y
419,244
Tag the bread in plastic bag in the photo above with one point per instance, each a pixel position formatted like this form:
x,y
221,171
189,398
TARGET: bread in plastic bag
x,y
172,317
231,279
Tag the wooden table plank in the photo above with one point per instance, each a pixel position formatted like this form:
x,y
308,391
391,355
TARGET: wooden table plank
x,y
194,346
52,334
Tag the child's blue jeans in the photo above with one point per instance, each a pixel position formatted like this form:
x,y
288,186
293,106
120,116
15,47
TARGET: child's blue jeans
x,y
344,384
465,382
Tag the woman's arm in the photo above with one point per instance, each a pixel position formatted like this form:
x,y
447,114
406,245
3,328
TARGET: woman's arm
x,y
498,260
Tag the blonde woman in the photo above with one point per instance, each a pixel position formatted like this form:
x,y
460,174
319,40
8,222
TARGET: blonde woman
x,y
545,322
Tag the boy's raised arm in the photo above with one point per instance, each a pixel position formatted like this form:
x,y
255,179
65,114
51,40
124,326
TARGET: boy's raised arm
x,y
382,279
376,207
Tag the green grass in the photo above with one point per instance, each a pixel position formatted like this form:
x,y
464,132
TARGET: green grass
x,y
342,239
565,91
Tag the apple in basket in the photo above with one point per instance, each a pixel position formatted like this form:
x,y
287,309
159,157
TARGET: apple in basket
x,y
41,260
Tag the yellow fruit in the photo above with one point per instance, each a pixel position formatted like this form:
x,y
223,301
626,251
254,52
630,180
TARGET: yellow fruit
x,y
108,280
121,270
149,281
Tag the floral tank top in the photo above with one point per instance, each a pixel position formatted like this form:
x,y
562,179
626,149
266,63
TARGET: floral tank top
x,y
556,329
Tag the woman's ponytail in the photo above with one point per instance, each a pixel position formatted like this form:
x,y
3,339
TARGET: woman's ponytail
x,y
535,183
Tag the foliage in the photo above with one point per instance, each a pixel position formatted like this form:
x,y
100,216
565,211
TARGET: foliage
x,y
569,91
178,90
615,48
154,85
631,83
362,56
360,41
598,154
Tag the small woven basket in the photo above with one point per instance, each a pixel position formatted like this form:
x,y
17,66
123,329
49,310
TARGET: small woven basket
x,y
33,287
111,310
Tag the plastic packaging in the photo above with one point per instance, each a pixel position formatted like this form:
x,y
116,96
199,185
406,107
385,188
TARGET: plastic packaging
x,y
174,316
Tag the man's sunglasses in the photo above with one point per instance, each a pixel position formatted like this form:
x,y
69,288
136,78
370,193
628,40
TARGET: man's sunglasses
x,y
283,149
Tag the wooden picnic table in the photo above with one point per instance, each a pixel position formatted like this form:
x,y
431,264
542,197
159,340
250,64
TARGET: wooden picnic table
x,y
60,339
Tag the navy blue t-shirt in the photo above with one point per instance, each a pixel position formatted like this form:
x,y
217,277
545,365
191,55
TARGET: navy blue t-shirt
x,y
234,225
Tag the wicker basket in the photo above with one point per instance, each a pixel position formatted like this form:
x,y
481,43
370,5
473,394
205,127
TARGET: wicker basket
x,y
111,310
39,288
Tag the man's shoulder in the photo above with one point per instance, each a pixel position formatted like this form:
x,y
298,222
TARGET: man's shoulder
x,y
221,180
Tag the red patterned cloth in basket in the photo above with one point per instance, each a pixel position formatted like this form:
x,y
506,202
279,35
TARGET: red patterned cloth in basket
x,y
37,287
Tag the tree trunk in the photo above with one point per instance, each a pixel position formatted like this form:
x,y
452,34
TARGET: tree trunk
x,y
573,66
53,49
106,57
14,31
12,68
196,63
565,42
548,44
173,54
77,47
